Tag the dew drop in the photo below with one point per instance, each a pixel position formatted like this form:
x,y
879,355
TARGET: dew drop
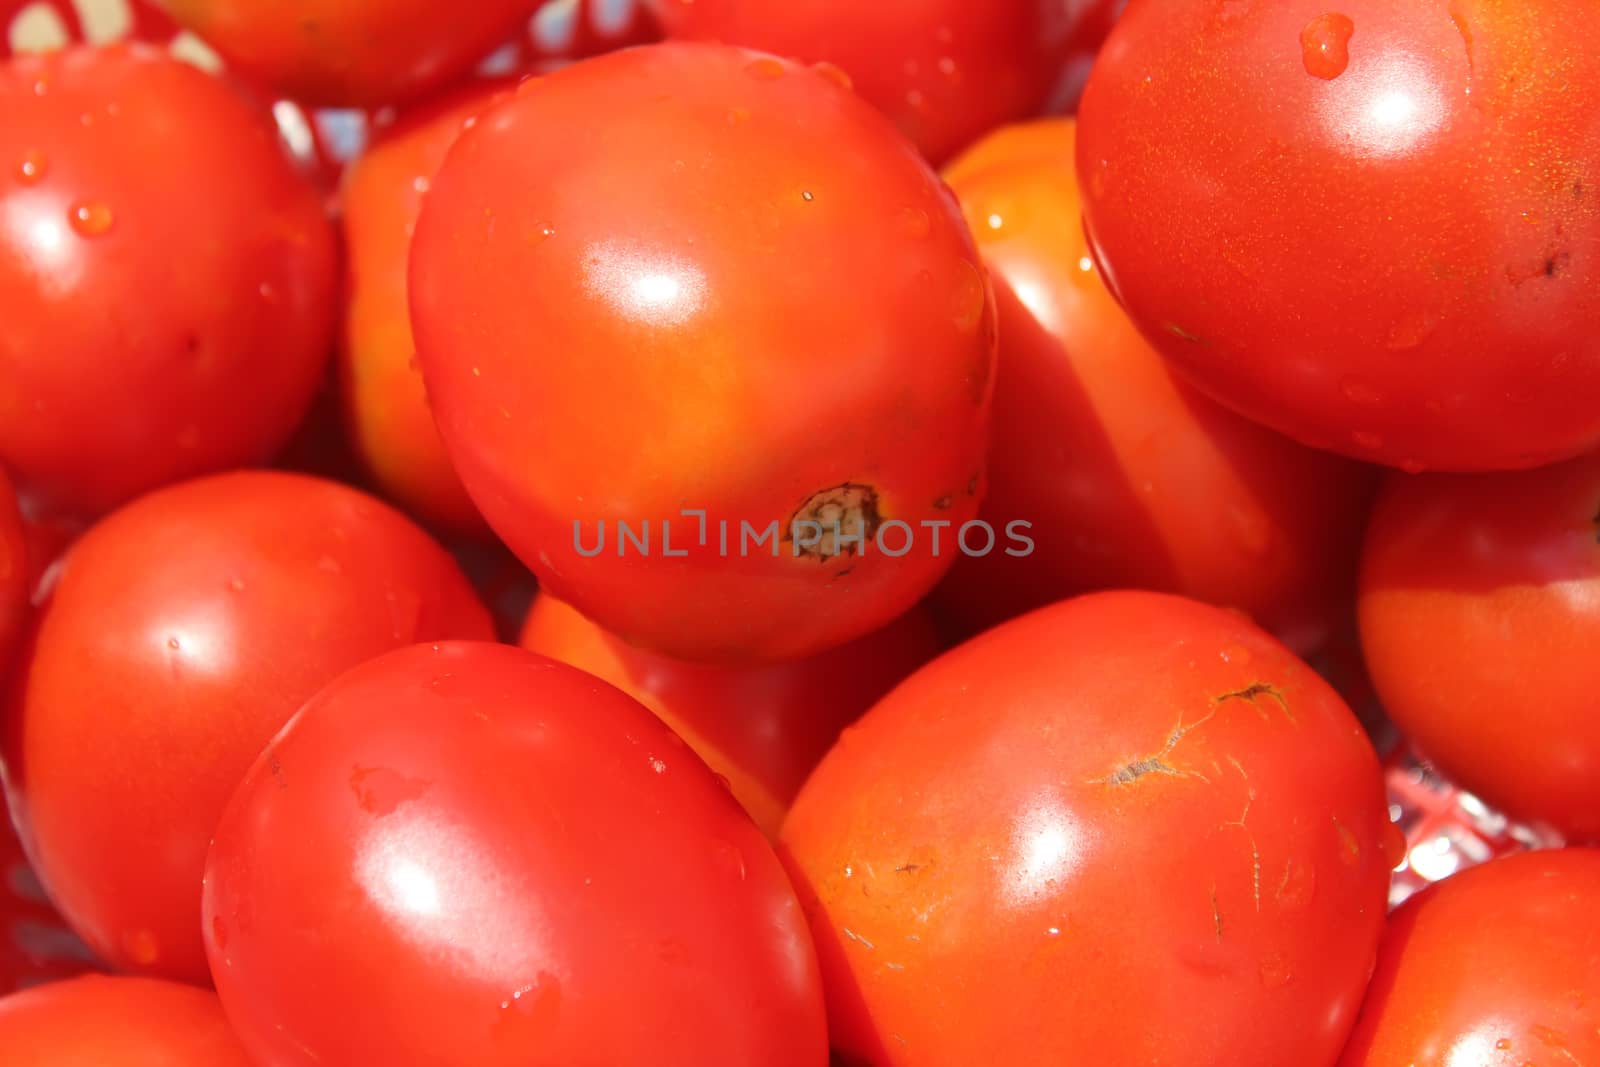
x,y
1325,45
91,220
1503,1045
835,75
765,69
731,859
32,168
541,233
659,766
970,298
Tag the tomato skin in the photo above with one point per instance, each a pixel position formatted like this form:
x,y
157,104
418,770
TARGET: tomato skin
x,y
523,850
1055,869
944,71
1480,614
126,1022
384,405
1494,966
183,632
1400,261
674,360
763,727
1128,476
351,53
14,585
152,334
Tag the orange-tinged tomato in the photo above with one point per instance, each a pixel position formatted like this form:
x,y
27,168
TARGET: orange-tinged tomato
x,y
1128,477
691,278
384,404
1480,620
1494,967
1128,828
98,1021
762,727
351,53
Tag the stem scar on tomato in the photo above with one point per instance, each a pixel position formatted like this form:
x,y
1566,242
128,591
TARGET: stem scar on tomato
x,y
1250,694
847,515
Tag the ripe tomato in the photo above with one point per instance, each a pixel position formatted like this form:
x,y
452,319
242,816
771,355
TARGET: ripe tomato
x,y
1493,967
1480,618
944,70
386,411
1374,226
183,632
761,727
753,301
14,584
522,851
1127,828
1128,477
167,277
125,1022
351,53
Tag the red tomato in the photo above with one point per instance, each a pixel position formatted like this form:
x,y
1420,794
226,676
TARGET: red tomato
x,y
183,632
730,289
1480,618
513,863
1127,476
1374,226
97,1021
385,408
1493,967
1124,829
944,70
14,584
167,277
763,727
351,53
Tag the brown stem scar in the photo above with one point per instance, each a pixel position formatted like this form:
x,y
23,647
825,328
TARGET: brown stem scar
x,y
1216,913
1252,694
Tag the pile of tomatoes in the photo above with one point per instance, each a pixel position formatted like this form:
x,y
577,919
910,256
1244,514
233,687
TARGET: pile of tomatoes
x,y
982,466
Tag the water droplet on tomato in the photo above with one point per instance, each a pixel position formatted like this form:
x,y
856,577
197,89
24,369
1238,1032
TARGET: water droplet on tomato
x,y
970,298
835,75
91,220
765,69
32,167
1325,45
914,223
1359,392
730,859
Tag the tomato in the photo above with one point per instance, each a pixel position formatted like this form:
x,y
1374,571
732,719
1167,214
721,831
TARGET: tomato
x,y
761,727
182,633
14,585
1127,828
167,277
351,53
1374,226
1127,476
385,408
514,863
1480,617
126,1022
35,945
1493,967
732,302
945,71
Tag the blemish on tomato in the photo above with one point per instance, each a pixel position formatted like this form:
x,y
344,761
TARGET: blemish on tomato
x,y
837,521
379,790
1325,45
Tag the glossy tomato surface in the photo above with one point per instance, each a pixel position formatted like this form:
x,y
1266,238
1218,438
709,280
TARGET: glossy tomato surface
x,y
1373,226
167,275
351,53
945,71
1493,967
14,585
1480,620
1128,828
183,631
514,863
384,405
97,1021
1126,476
695,279
762,727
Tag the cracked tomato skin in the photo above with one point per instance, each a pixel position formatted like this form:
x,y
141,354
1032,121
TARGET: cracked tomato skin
x,y
14,571
351,53
183,631
519,848
126,1022
1480,617
762,727
1493,967
1372,226
382,399
1127,828
1129,477
167,277
754,300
